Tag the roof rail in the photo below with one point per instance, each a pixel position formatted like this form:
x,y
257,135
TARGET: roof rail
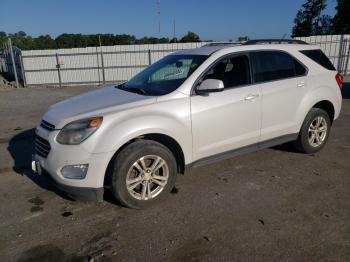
x,y
222,43
274,41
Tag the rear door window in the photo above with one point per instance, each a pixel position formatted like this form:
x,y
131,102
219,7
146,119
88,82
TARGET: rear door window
x,y
319,57
275,65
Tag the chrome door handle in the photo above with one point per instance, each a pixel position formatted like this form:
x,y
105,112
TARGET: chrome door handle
x,y
251,97
301,84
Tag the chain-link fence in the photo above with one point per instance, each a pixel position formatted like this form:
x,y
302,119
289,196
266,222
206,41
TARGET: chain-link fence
x,y
112,64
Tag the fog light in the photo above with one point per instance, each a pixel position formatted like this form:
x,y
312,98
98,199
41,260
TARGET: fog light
x,y
75,171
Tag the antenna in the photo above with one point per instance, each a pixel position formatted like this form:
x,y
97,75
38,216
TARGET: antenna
x,y
158,12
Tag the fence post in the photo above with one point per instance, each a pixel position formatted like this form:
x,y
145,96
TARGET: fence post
x,y
58,66
347,59
98,66
345,43
23,72
340,58
103,67
102,62
13,62
149,57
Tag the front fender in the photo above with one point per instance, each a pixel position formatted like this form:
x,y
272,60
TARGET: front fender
x,y
136,127
167,119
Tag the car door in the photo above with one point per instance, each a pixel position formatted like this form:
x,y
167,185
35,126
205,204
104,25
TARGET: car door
x,y
227,120
283,84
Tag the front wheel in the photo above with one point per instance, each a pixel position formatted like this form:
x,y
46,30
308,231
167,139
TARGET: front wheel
x,y
143,173
314,131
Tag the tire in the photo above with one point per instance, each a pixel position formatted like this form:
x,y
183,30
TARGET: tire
x,y
134,164
308,141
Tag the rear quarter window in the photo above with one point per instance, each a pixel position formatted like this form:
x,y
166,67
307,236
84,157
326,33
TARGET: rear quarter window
x,y
319,57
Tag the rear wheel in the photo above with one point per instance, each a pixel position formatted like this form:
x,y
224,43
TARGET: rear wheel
x,y
314,131
143,173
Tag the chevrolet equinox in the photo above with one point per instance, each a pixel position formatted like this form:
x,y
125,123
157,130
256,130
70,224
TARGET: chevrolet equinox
x,y
188,109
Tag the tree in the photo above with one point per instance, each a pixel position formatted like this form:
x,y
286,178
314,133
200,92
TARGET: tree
x,y
44,42
26,42
174,40
324,25
341,21
65,41
22,40
124,39
190,37
152,40
3,39
243,38
309,19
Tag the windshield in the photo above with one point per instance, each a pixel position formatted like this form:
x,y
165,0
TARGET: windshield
x,y
164,76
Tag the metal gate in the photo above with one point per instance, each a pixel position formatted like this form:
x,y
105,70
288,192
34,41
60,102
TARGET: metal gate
x,y
10,63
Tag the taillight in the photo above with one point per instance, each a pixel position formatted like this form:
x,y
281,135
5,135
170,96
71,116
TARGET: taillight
x,y
339,79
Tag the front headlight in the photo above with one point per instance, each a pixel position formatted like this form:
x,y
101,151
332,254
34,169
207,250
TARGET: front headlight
x,y
76,132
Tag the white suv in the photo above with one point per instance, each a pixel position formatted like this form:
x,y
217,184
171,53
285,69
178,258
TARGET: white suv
x,y
189,109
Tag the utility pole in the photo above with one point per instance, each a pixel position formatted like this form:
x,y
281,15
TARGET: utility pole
x,y
174,36
158,12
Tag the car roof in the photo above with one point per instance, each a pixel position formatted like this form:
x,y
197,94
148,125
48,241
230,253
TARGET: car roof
x,y
204,50
210,49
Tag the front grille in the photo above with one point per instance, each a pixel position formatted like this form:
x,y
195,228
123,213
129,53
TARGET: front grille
x,y
42,146
46,125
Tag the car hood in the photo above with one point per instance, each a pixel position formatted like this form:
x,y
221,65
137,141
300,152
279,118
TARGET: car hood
x,y
94,103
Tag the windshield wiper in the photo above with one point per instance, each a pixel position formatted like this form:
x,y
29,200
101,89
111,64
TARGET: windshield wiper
x,y
136,90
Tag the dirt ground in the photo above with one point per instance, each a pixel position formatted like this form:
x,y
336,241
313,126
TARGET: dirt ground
x,y
271,205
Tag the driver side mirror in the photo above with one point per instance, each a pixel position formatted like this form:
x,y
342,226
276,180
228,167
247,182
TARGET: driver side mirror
x,y
210,85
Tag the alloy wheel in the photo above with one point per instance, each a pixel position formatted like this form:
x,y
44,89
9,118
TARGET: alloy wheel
x,y
147,177
317,131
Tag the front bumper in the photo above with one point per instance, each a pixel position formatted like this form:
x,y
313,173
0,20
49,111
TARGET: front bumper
x,y
91,186
83,193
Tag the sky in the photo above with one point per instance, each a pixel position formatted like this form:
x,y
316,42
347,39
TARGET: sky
x,y
218,20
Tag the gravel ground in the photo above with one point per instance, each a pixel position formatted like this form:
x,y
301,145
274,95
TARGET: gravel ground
x,y
271,205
